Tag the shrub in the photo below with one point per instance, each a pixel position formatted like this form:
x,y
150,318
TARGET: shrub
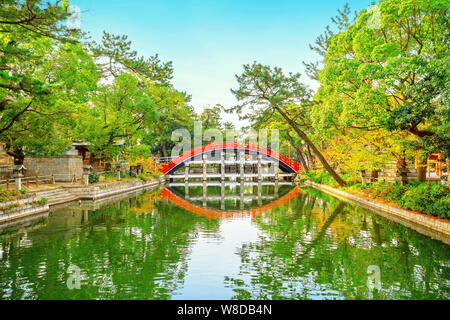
x,y
378,188
350,179
125,174
432,199
441,208
322,177
156,174
145,177
414,183
429,198
150,176
110,176
395,193
10,195
94,177
424,197
42,201
359,186
301,178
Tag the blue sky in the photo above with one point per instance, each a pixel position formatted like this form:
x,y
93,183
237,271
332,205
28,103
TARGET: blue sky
x,y
209,40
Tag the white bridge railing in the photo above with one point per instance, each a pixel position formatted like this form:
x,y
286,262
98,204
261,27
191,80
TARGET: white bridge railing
x,y
164,160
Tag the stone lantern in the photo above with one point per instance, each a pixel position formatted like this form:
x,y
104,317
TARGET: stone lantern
x,y
18,172
118,168
86,172
363,176
403,174
139,168
370,176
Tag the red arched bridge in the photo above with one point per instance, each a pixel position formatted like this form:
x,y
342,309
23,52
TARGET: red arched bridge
x,y
254,161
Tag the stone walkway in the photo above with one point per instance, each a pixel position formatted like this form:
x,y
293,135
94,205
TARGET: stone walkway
x,y
44,187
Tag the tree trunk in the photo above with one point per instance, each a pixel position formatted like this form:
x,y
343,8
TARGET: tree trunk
x,y
314,149
164,151
310,159
422,170
17,154
303,161
299,152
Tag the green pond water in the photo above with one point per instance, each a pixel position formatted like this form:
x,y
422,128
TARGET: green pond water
x,y
177,243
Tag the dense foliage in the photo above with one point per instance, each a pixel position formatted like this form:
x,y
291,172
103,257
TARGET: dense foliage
x,y
93,178
56,88
429,198
323,177
384,85
383,97
383,90
393,75
433,199
45,76
10,195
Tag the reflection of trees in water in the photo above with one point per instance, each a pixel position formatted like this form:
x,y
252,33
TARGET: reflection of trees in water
x,y
321,248
133,249
311,247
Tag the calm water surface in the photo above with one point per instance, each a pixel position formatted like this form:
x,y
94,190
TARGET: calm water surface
x,y
220,242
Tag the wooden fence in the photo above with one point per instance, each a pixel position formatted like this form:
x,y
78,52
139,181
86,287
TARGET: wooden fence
x,y
8,183
36,180
5,172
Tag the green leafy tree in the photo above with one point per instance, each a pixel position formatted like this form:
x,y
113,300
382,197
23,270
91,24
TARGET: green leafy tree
x,y
265,91
44,77
341,22
174,113
115,56
120,112
210,118
46,127
137,104
390,70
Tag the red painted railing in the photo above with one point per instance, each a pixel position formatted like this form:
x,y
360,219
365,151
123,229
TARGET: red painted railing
x,y
295,166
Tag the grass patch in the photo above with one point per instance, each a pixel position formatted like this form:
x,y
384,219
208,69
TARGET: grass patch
x,y
150,176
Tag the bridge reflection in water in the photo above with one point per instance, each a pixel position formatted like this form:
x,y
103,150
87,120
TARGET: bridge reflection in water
x,y
230,199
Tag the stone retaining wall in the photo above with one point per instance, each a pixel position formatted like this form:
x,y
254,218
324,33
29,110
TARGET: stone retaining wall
x,y
24,208
418,221
93,205
100,192
27,207
65,165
